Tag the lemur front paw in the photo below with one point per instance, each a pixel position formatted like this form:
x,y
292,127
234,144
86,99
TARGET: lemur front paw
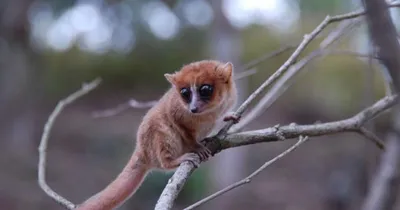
x,y
203,152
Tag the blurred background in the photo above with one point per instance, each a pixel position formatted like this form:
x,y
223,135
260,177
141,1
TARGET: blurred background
x,y
48,48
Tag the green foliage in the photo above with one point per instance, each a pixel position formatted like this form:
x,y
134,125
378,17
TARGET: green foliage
x,y
320,6
196,187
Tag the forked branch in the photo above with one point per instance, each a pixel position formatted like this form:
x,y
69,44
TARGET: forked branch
x,y
86,88
251,176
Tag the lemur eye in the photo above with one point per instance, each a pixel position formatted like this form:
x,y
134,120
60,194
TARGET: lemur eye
x,y
185,93
205,91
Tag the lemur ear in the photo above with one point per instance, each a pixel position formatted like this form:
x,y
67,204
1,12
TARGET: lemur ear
x,y
228,67
170,78
226,70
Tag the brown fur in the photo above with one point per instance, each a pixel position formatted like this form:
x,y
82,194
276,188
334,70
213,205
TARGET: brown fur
x,y
169,133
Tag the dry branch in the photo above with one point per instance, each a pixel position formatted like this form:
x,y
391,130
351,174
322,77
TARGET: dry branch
x,y
340,29
266,57
86,88
251,176
132,103
371,136
278,133
244,74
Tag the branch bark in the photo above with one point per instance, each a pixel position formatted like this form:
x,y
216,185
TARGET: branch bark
x,y
132,103
278,133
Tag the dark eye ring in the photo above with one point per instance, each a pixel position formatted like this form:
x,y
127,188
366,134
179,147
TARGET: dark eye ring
x,y
186,93
206,91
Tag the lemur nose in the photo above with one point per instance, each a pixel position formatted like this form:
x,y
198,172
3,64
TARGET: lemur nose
x,y
194,109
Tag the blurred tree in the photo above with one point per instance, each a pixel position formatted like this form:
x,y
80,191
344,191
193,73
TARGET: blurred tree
x,y
20,83
226,45
19,78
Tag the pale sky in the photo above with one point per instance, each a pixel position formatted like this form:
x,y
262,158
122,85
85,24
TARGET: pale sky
x,y
95,31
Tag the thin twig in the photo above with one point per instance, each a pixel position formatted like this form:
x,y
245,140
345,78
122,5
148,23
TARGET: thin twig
x,y
86,88
132,103
371,136
250,177
340,29
352,53
266,56
245,74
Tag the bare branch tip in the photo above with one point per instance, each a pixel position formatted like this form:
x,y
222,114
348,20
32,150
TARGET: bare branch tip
x,y
371,136
93,84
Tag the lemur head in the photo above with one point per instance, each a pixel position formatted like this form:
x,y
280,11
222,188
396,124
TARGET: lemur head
x,y
204,85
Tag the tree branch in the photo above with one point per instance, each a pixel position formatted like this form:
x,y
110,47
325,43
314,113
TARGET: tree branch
x,y
132,103
86,88
278,133
251,176
245,74
371,136
266,56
